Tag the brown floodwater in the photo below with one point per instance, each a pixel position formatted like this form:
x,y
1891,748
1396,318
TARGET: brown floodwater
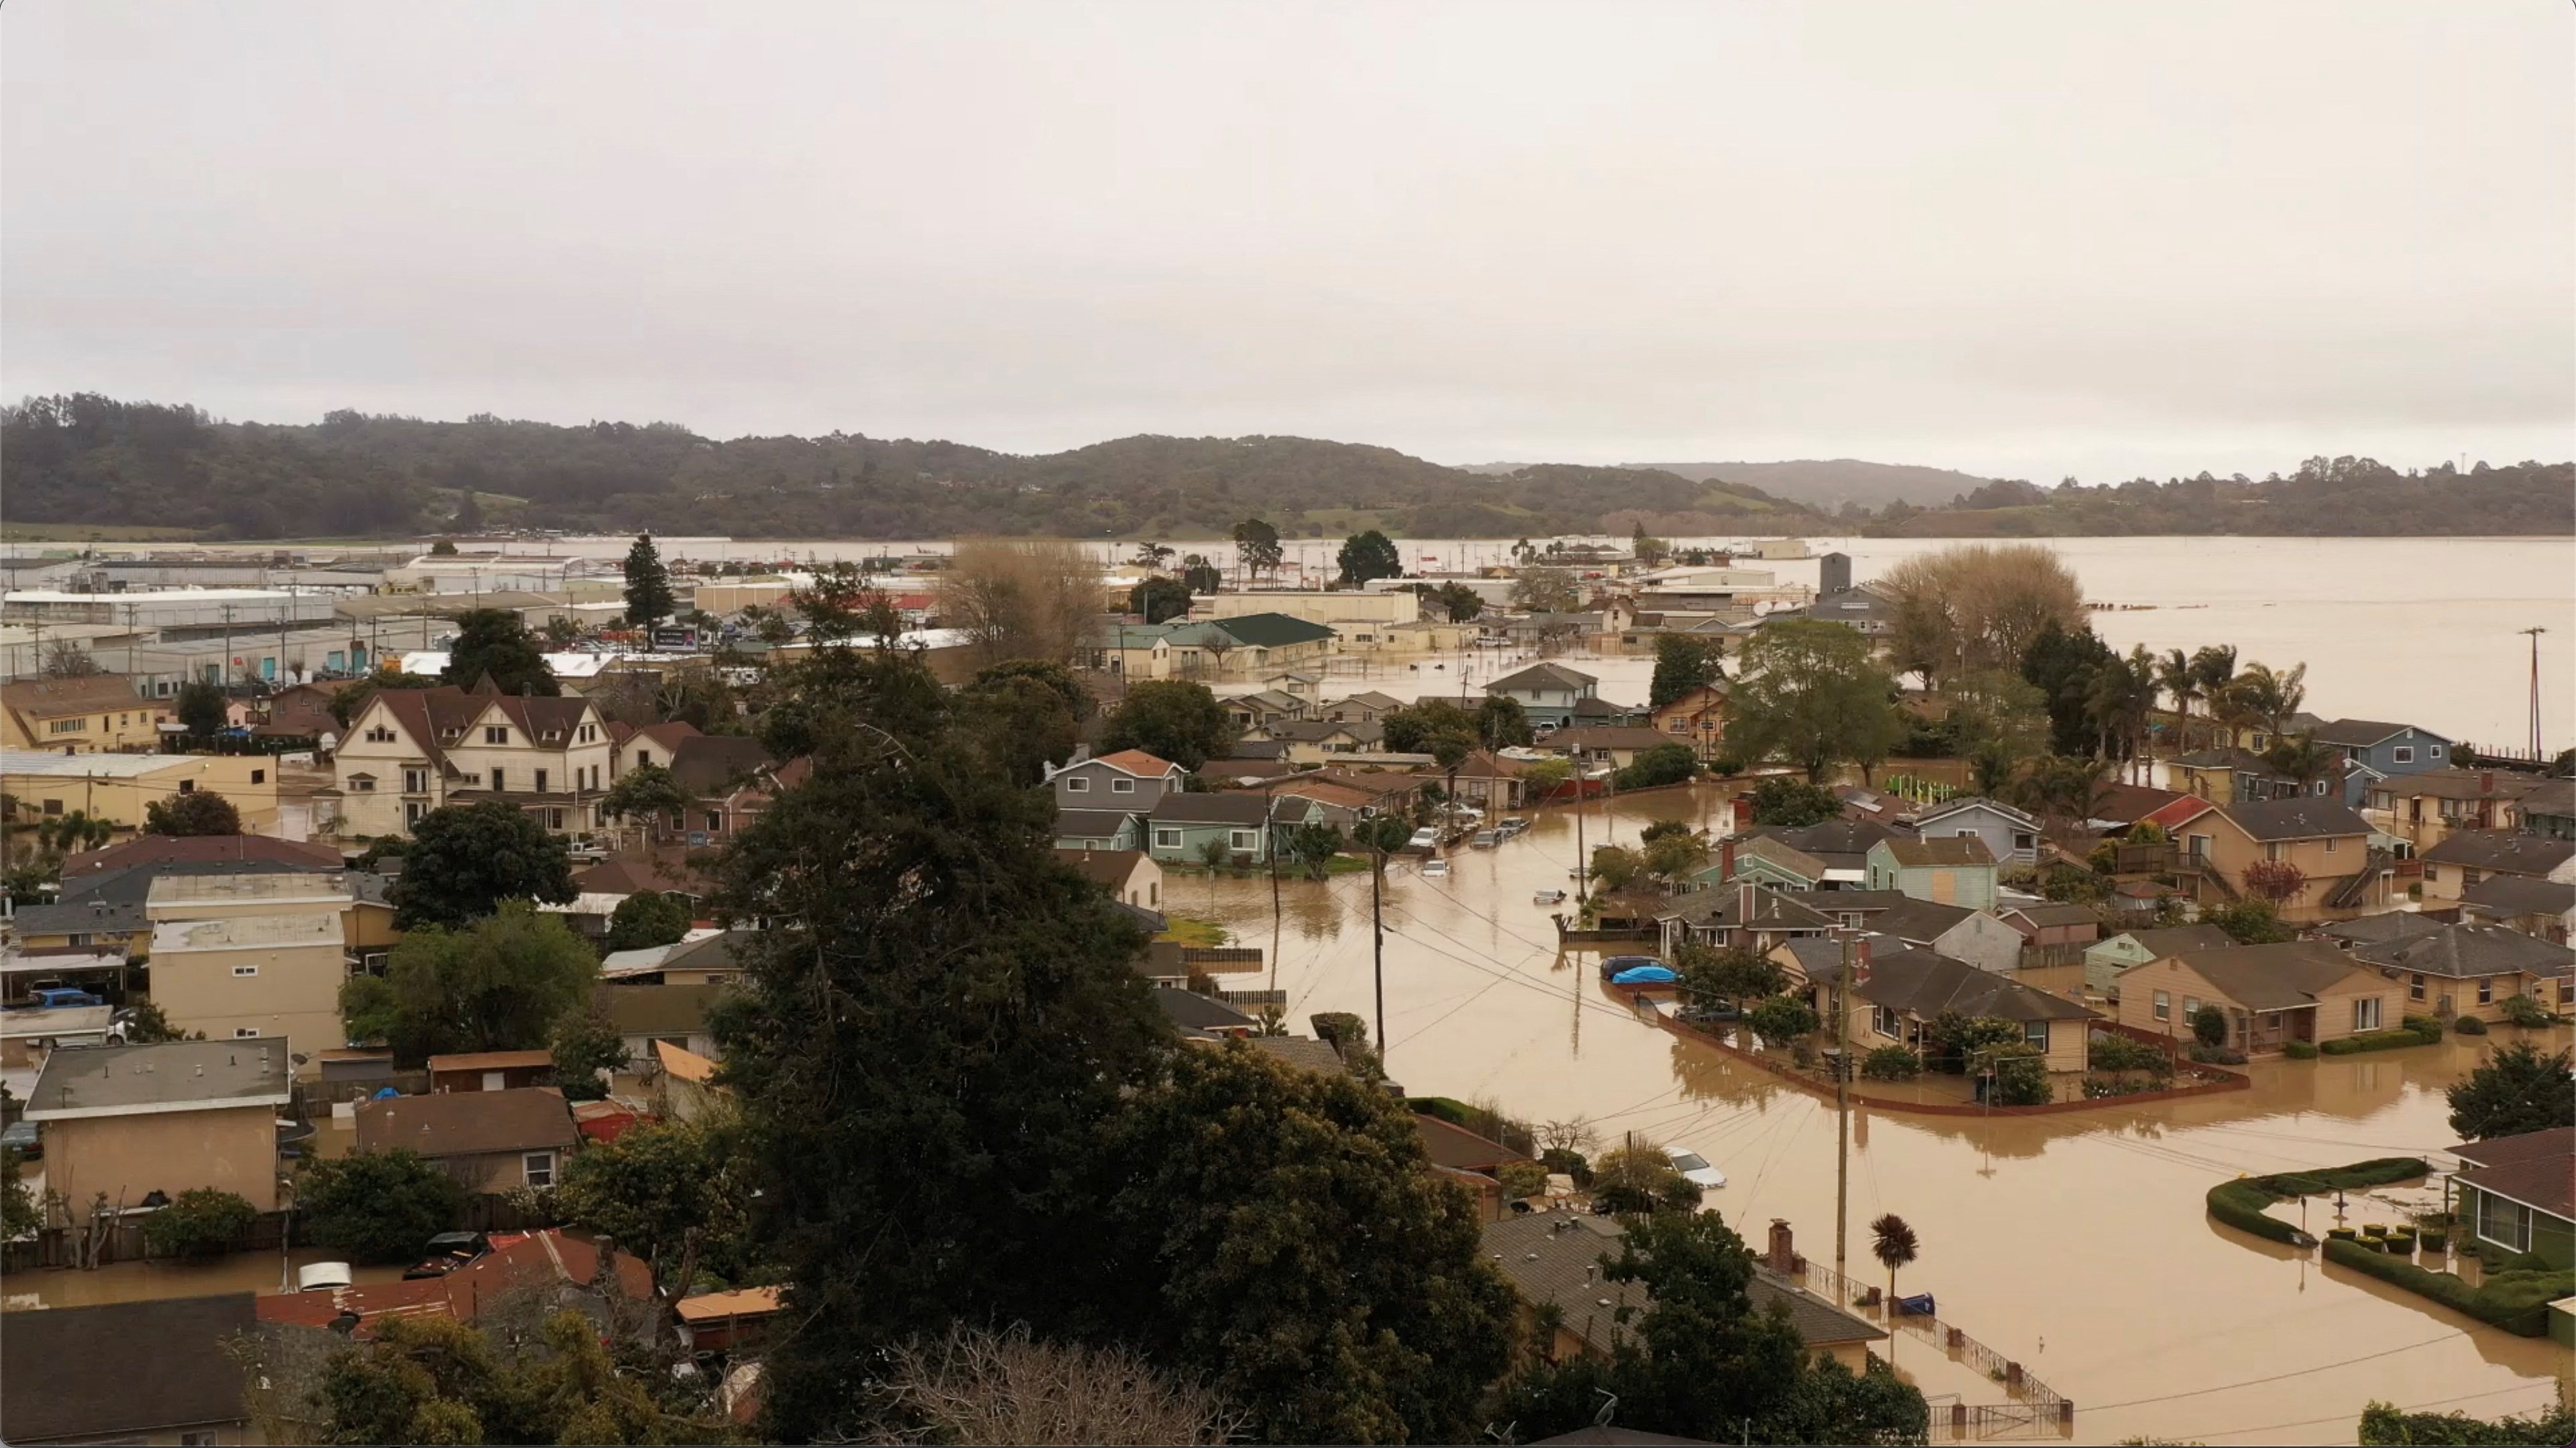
x,y
261,1272
2076,1243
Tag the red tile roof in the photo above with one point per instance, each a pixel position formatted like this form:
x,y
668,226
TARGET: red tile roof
x,y
201,849
517,1258
1137,762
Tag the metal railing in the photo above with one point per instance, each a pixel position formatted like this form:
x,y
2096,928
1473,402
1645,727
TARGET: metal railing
x,y
2032,1409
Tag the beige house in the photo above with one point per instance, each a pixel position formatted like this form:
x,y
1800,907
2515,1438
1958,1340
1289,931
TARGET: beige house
x,y
97,714
490,1141
118,788
2471,970
1337,607
172,1117
2425,809
1903,989
2299,990
415,750
252,955
2466,859
1130,876
2327,843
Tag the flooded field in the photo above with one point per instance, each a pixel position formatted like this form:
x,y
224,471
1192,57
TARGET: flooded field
x,y
2075,1243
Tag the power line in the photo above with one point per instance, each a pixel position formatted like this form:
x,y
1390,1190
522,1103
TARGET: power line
x,y
2348,1417
2277,1377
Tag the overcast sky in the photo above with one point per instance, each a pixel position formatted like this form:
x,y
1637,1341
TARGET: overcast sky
x,y
2026,239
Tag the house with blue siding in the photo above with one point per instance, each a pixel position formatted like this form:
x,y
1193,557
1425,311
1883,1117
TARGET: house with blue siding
x,y
1949,871
2372,750
2011,836
1180,829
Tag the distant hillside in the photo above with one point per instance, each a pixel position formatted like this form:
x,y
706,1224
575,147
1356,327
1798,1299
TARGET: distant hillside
x,y
1826,486
90,462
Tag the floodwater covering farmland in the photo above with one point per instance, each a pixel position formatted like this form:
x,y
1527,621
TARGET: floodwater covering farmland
x,y
2076,1244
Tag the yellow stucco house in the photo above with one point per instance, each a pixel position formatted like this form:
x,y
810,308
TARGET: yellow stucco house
x,y
98,714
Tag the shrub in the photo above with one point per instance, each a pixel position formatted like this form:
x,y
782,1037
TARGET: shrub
x,y
2098,1087
2518,1302
1781,1019
377,1206
2209,1026
2436,1241
2218,1055
200,1222
2127,1053
1523,1179
2300,1050
2373,1041
2470,1025
2022,1081
2339,1234
2522,1010
1891,1063
2375,1229
1568,1161
2420,1024
2240,1203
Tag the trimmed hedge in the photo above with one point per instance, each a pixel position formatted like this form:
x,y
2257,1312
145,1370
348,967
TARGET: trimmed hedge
x,y
2379,1041
2300,1050
2469,1026
2518,1302
2240,1203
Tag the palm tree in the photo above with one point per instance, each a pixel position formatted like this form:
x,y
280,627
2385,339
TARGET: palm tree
x,y
2302,758
2261,696
2123,692
1893,1242
2212,667
2176,676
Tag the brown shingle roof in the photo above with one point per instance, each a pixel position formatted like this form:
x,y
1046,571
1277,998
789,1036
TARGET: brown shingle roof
x,y
2514,852
468,1123
60,698
1456,1146
200,849
2279,977
59,1376
2307,817
1944,852
2535,1168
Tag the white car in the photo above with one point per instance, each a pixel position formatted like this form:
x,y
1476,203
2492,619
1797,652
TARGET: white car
x,y
1435,869
1425,838
1694,1167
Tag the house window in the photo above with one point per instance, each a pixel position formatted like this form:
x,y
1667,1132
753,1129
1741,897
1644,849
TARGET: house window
x,y
1167,839
1076,784
2433,751
239,971
541,781
2190,1007
715,821
538,1167
1153,895
68,726
412,810
2505,1223
1884,1021
2486,991
2036,1032
2432,875
1122,785
498,776
495,734
2415,987
1238,839
2024,842
380,735
2402,754
2365,1014
245,1033
189,786
197,1438
415,781
2272,851
259,776
643,757
363,783
2164,1006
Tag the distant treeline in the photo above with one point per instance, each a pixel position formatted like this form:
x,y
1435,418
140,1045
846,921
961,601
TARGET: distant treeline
x,y
87,459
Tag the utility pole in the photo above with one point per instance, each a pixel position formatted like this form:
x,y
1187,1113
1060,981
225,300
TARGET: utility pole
x,y
1377,934
1842,1106
2535,633
228,646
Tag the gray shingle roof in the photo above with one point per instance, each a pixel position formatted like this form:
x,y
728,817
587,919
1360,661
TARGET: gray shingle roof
x,y
2468,951
166,1076
2386,926
2177,939
59,1377
1208,809
2502,895
1926,984
2306,817
1090,824
1978,801
1772,910
1556,1257
2279,977
1194,1012
1938,853
2357,733
1543,676
2514,851
1271,630
88,917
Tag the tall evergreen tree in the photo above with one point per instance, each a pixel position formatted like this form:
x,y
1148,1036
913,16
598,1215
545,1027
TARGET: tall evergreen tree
x,y
649,598
494,644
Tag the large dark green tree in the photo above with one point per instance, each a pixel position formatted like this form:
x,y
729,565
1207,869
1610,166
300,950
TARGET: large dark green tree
x,y
2517,1089
1171,719
1812,696
1684,662
198,812
931,1033
1367,556
1159,600
494,644
465,860
1257,544
649,598
1285,1241
645,919
376,1206
499,984
2065,667
201,707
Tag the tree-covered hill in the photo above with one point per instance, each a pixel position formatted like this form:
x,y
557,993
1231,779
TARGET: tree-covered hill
x,y
91,460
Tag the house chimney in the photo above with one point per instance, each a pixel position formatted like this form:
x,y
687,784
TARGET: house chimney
x,y
1744,904
2486,781
1783,1257
1726,861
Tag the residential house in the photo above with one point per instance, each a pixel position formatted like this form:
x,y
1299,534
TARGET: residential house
x,y
1129,781
2545,909
489,1141
1615,745
2373,751
2383,928
1901,990
186,852
30,1035
2518,1193
2470,857
1202,1018
2323,839
2104,960
1343,805
1252,646
97,923
1863,608
1183,826
1548,630
301,711
2053,932
2299,990
491,1071
1546,692
122,788
684,1083
238,956
632,747
613,1288
644,1014
1770,862
730,780
2471,970
97,714
704,956
1307,689
60,1380
1558,1260
1948,870
1253,762
1742,916
2118,808
1697,718
1098,829
1975,936
2229,775
130,1120
1315,741
2427,807
2011,836
410,751
1251,711
1493,783
1128,875
2550,809
1468,1159
1365,707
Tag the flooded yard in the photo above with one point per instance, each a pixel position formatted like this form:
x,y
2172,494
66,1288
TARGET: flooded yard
x,y
2077,1244
260,1272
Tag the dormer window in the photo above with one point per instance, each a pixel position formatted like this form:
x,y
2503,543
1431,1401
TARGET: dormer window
x,y
496,734
380,735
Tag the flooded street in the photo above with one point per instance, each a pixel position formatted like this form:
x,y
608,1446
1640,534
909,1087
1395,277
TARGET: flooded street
x,y
2076,1243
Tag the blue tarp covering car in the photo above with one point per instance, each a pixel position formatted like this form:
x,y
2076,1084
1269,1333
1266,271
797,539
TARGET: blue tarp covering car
x,y
1645,975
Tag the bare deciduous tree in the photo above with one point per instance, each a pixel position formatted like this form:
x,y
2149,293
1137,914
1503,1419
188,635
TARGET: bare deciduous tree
x,y
1977,606
1022,598
980,1386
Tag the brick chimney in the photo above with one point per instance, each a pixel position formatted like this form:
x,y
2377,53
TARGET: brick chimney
x,y
1782,1257
1744,904
1726,861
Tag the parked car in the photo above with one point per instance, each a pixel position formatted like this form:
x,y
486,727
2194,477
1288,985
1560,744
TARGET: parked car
x,y
25,1139
1425,838
1435,868
447,1252
1694,1167
65,997
1485,840
1612,965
